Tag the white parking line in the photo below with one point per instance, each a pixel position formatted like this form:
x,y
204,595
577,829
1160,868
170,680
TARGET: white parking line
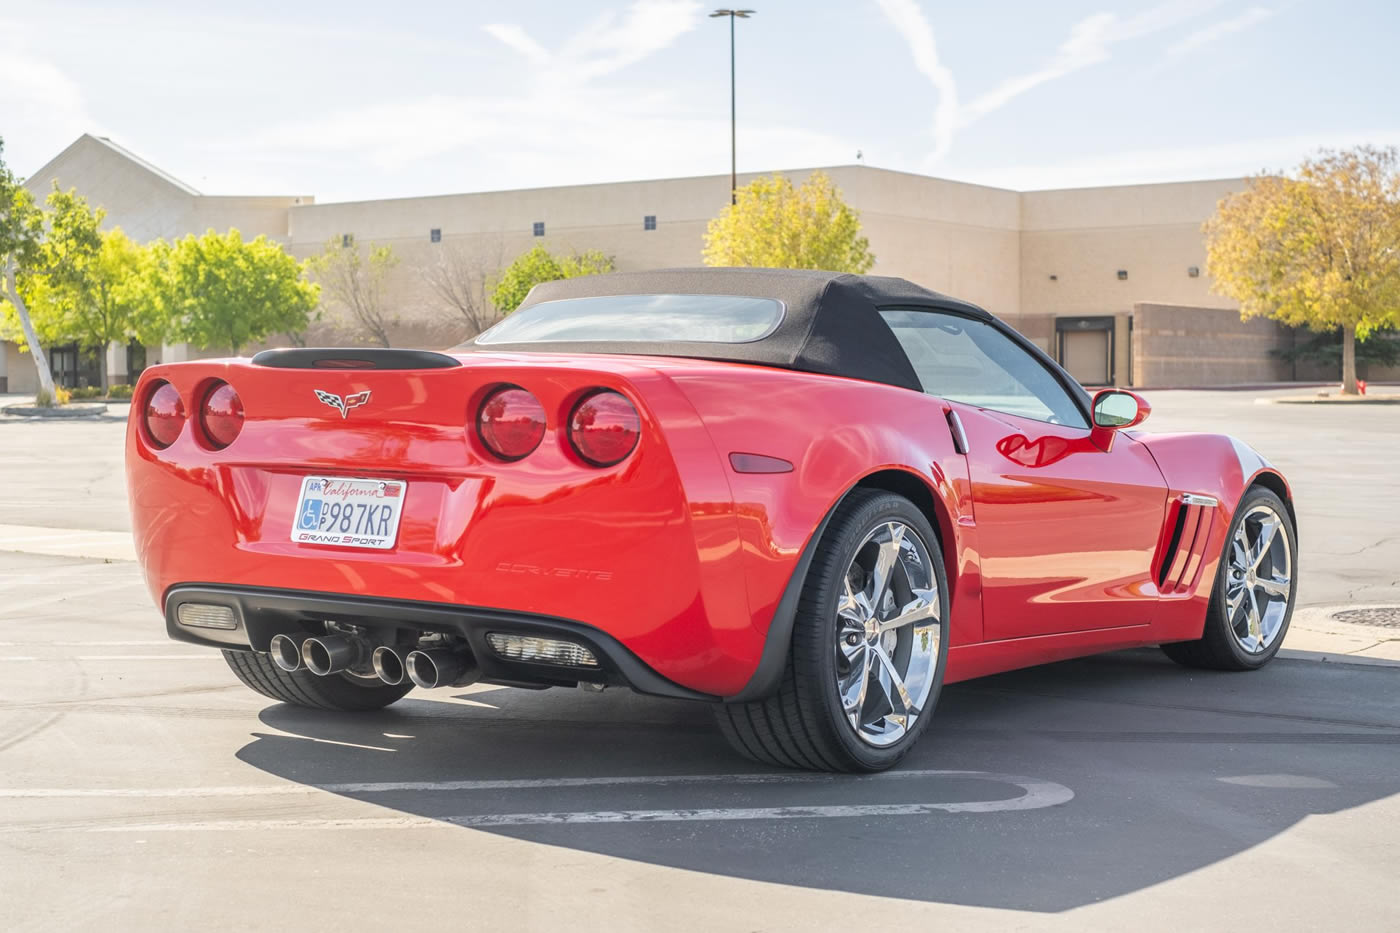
x,y
1035,794
113,657
85,644
391,787
68,542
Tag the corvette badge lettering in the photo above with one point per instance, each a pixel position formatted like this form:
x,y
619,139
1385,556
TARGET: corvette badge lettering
x,y
343,405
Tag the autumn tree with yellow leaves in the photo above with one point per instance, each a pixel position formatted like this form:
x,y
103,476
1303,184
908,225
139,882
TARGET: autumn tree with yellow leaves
x,y
774,225
1318,248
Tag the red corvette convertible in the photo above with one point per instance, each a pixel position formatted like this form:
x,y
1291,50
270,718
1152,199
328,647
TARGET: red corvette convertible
x,y
808,499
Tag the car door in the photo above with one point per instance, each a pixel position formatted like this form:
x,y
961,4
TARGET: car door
x,y
1066,529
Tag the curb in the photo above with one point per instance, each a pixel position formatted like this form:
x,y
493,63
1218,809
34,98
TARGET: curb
x,y
1323,657
71,410
1345,400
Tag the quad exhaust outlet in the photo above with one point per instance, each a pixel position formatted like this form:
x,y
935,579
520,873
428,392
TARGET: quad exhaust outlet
x,y
286,651
324,655
441,667
331,654
388,664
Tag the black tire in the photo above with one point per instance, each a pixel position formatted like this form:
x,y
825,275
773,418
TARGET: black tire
x,y
336,692
802,725
1217,648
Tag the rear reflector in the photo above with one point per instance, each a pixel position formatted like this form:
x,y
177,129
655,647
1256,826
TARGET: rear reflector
x,y
758,463
221,415
511,422
604,428
541,650
164,415
204,615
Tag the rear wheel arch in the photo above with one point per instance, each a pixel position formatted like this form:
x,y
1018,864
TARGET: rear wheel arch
x,y
899,481
919,491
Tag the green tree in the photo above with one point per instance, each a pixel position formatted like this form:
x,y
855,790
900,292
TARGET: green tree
x,y
540,265
1318,248
774,225
221,291
21,238
89,283
357,283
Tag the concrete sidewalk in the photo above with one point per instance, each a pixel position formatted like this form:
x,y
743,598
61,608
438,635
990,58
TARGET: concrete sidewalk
x,y
1313,635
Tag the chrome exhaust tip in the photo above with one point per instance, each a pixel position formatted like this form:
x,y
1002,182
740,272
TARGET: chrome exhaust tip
x,y
330,654
441,667
388,665
286,651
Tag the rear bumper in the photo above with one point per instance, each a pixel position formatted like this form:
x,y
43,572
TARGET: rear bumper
x,y
265,612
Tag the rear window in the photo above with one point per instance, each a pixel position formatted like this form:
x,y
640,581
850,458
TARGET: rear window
x,y
642,319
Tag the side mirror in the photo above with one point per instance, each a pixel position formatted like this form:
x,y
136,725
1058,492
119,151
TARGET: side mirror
x,y
1114,410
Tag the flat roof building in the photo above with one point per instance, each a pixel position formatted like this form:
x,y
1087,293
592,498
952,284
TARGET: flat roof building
x,y
1110,281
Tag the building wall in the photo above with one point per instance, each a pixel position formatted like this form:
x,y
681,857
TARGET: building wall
x,y
1032,258
1177,345
1084,237
961,239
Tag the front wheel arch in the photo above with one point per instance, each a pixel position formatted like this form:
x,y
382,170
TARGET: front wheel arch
x,y
1276,484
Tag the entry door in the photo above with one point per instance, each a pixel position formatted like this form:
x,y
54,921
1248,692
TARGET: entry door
x,y
1067,531
1085,354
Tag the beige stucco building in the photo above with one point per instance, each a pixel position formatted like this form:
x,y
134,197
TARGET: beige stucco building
x,y
1109,280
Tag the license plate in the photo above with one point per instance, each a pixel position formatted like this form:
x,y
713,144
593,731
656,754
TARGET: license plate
x,y
349,512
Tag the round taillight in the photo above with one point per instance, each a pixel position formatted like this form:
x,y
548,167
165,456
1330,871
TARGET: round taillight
x,y
221,415
164,415
604,428
510,422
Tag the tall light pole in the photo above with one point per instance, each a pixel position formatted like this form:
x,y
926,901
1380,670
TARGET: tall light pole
x,y
733,145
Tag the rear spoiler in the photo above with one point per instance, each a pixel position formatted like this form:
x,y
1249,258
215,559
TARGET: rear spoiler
x,y
354,358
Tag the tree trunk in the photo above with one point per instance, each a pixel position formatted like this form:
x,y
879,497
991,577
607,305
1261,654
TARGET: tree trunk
x,y
41,360
1349,359
102,369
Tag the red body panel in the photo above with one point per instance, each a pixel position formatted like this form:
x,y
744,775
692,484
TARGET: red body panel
x,y
672,551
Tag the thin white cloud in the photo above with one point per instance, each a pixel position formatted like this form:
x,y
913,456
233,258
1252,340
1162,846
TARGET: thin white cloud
x,y
612,43
564,124
609,44
43,108
906,17
1216,31
517,38
1088,44
1143,166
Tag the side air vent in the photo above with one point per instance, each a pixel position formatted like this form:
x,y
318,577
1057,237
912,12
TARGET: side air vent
x,y
1192,519
354,358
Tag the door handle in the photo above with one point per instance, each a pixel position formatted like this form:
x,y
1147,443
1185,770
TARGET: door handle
x,y
955,427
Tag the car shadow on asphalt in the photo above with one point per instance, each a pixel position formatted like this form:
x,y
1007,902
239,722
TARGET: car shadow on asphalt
x,y
1167,771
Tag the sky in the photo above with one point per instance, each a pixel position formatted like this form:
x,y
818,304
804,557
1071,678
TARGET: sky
x,y
350,101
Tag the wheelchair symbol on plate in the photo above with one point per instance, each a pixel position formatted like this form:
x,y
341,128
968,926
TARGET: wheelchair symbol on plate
x,y
311,514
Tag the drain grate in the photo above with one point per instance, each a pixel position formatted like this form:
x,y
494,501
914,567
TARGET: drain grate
x,y
1384,616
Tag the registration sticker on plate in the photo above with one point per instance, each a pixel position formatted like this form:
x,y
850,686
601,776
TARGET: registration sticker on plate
x,y
349,512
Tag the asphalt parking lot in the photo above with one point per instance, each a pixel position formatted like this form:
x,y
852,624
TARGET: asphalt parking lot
x,y
142,786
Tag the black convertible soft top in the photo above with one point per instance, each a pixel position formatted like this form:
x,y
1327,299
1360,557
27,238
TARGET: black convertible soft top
x,y
831,322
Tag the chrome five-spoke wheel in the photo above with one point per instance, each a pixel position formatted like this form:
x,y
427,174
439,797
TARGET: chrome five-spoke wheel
x,y
868,647
887,634
1259,578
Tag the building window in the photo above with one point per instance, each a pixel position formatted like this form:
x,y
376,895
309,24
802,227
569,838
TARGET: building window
x,y
435,234
649,222
539,228
347,240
